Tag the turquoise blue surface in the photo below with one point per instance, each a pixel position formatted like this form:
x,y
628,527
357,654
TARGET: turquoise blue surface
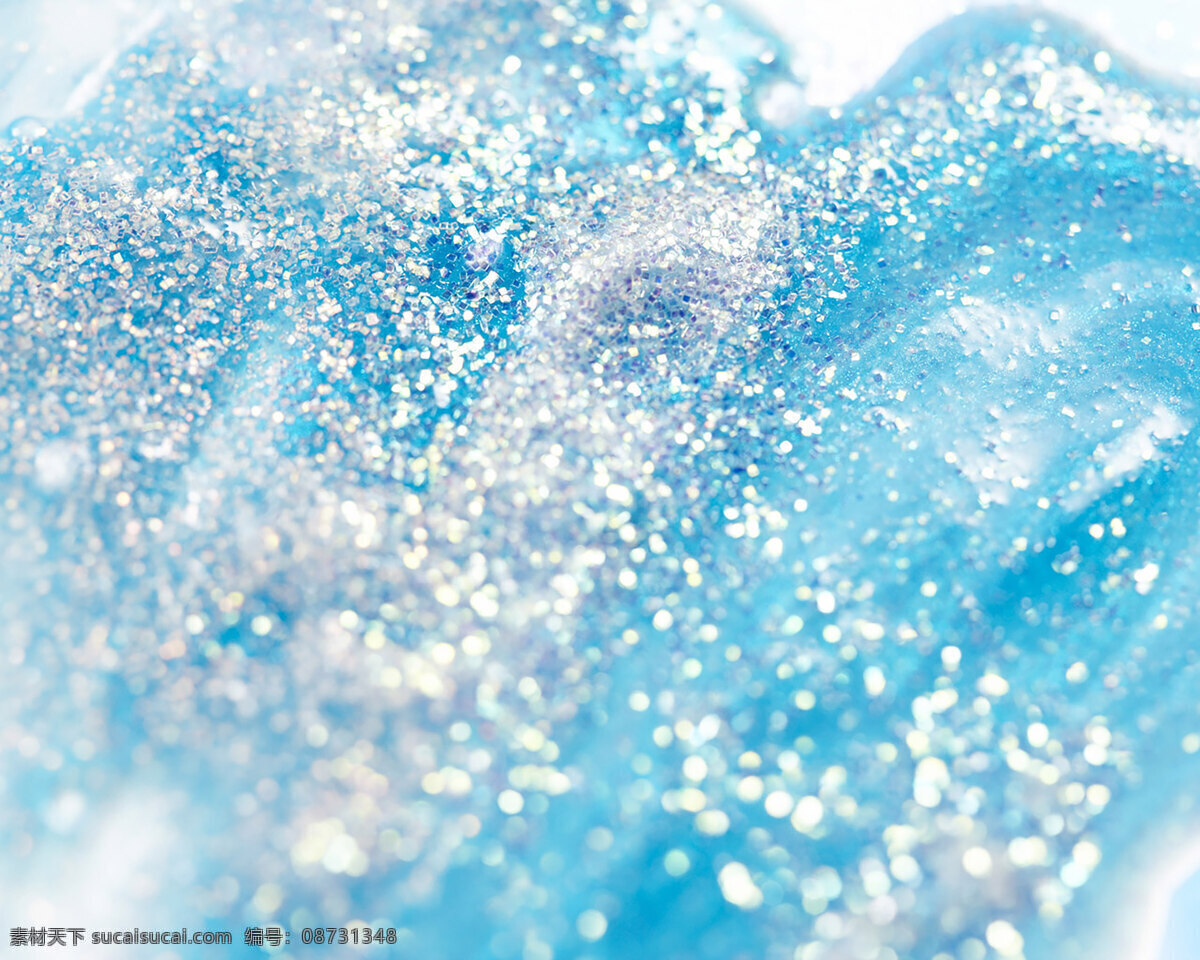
x,y
465,469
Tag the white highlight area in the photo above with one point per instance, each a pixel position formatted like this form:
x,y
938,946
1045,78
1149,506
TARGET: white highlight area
x,y
842,49
114,868
1163,921
1122,460
1180,924
55,54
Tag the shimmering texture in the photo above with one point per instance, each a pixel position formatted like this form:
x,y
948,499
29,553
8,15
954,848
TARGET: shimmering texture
x,y
465,468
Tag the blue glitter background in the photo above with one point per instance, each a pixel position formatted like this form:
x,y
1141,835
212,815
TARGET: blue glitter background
x,y
511,472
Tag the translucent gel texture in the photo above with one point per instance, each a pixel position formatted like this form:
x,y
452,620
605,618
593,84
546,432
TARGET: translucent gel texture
x,y
464,469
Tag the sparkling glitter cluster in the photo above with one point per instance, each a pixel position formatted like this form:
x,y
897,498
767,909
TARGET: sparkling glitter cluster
x,y
482,467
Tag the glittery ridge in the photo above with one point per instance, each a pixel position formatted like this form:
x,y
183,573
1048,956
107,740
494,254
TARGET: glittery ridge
x,y
486,468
